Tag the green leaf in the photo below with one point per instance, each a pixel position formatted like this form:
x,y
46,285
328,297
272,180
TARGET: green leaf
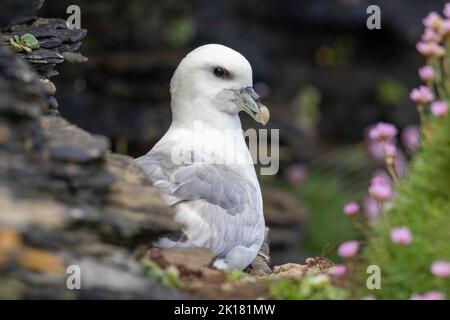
x,y
15,45
30,41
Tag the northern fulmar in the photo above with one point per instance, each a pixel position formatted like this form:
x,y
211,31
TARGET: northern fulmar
x,y
202,168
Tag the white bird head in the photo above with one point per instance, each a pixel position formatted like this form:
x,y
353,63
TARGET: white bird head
x,y
214,82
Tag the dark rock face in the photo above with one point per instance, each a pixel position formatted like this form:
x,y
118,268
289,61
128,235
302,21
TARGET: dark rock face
x,y
18,11
281,39
66,200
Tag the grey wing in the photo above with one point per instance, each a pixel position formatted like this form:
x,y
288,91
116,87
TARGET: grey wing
x,y
217,184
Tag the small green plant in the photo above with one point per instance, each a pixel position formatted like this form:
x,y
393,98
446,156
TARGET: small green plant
x,y
310,287
26,42
168,277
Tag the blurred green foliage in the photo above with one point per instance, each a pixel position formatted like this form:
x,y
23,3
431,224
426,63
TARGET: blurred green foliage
x,y
168,277
336,53
390,91
308,99
180,31
324,196
335,178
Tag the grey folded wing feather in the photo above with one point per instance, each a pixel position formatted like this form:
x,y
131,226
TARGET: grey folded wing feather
x,y
217,184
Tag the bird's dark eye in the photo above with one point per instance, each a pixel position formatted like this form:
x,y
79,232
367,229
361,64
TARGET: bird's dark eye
x,y
220,72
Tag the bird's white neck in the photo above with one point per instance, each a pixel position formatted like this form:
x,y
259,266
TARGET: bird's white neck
x,y
219,143
186,115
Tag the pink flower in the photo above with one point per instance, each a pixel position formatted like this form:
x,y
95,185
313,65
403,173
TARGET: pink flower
x,y
296,173
434,295
430,295
368,298
379,179
426,73
445,28
340,270
439,108
441,269
348,249
432,20
447,10
430,49
430,36
380,190
421,95
401,235
411,137
390,150
381,176
371,209
351,208
383,132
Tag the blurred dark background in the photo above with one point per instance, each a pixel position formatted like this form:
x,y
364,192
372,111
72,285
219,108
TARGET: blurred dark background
x,y
318,51
324,75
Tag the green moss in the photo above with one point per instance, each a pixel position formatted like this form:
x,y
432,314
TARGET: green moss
x,y
423,205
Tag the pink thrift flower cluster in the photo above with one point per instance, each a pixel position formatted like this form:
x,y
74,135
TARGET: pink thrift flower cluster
x,y
447,10
401,235
380,190
383,132
430,295
368,298
426,73
432,21
390,150
431,36
441,269
439,108
340,270
348,249
351,209
437,32
437,28
430,49
421,95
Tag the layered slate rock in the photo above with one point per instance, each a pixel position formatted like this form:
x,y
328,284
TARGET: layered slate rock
x,y
66,200
57,43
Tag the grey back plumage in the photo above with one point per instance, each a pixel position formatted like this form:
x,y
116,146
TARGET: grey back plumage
x,y
217,184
